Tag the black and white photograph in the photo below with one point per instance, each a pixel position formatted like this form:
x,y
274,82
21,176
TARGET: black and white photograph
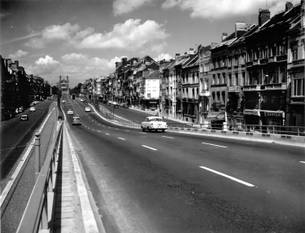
x,y
152,116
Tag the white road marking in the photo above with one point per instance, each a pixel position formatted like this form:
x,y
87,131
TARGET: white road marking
x,y
168,137
302,161
211,144
107,134
148,147
142,133
227,176
123,139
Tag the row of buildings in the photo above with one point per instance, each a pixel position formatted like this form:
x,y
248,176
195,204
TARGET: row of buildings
x,y
19,89
255,76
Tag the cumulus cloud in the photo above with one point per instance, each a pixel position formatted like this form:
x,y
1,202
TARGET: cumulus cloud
x,y
52,33
130,35
18,54
45,61
224,8
163,56
126,6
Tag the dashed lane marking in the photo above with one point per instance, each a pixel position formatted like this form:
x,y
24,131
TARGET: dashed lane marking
x,y
150,148
302,162
107,134
227,176
142,133
168,137
120,138
211,144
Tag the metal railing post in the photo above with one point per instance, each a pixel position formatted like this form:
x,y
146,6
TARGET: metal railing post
x,y
37,154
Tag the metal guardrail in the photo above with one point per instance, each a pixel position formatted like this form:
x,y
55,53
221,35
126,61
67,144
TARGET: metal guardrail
x,y
39,212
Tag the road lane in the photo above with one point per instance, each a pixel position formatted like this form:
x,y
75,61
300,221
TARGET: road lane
x,y
277,203
15,135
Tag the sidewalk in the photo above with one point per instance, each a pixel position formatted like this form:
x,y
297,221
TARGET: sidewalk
x,y
73,210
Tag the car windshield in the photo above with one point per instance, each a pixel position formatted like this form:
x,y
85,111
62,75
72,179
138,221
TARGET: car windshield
x,y
154,119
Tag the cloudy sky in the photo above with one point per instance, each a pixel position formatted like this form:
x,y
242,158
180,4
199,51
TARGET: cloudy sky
x,y
83,38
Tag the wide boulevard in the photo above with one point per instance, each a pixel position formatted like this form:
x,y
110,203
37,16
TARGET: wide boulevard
x,y
167,182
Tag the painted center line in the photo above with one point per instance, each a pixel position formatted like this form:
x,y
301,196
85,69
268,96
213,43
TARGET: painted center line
x,y
120,138
302,162
107,134
168,137
229,177
148,147
211,144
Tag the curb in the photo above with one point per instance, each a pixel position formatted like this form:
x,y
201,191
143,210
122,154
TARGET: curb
x,y
297,141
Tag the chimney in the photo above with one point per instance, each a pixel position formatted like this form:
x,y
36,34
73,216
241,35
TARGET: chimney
x,y
191,51
224,36
124,60
240,27
177,55
117,64
263,16
288,6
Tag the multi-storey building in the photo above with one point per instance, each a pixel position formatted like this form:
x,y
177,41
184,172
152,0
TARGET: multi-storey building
x,y
266,94
296,66
190,89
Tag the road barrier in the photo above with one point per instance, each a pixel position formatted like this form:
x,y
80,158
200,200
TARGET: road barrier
x,y
39,212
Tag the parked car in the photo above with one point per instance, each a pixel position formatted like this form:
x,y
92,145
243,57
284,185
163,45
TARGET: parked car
x,y
153,123
24,117
87,109
70,112
32,109
76,120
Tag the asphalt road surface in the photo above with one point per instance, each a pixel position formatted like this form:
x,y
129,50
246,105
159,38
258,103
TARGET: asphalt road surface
x,y
15,135
165,182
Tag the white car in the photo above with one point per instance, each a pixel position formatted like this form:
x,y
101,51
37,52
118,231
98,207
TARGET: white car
x,y
32,109
70,112
154,123
76,120
87,109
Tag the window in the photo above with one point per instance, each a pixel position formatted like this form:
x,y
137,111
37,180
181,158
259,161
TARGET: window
x,y
298,87
230,79
236,78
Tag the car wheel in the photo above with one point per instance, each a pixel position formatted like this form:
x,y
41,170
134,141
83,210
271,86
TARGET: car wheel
x,y
163,130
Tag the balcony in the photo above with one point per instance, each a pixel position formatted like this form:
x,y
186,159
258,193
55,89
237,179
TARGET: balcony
x,y
219,85
205,93
274,86
298,63
281,58
234,89
252,88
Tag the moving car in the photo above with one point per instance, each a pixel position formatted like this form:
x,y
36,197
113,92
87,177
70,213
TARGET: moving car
x,y
32,109
24,117
154,123
87,109
76,120
70,112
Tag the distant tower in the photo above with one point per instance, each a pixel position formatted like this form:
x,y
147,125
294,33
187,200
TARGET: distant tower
x,y
64,85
